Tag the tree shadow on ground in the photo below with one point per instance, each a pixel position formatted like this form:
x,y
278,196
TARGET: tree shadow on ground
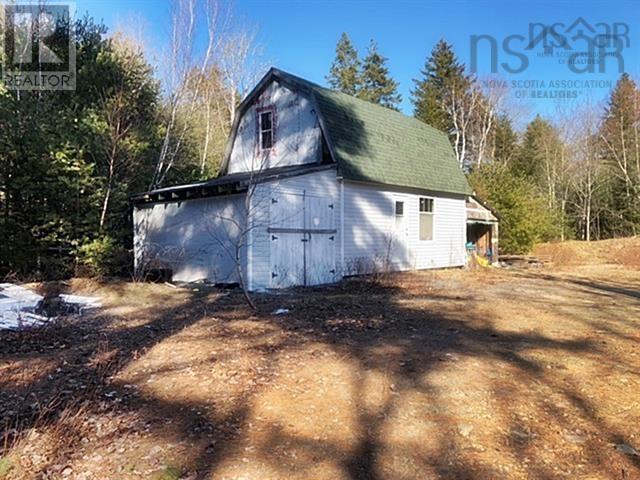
x,y
401,344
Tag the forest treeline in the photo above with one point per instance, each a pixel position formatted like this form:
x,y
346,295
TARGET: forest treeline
x,y
576,175
70,160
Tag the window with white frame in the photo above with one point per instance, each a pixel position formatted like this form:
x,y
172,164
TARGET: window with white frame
x,y
426,218
265,119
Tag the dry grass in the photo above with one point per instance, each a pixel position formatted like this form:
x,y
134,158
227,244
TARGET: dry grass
x,y
620,251
451,374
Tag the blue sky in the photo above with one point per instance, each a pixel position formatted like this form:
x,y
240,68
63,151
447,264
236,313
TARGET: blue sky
x,y
300,36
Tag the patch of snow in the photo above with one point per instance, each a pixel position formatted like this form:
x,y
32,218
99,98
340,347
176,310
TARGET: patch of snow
x,y
81,302
14,298
18,306
19,320
281,311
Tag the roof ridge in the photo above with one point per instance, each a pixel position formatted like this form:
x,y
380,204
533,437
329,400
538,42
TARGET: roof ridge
x,y
417,121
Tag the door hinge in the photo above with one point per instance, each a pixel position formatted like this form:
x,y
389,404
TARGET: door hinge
x,y
330,206
332,238
274,275
304,239
273,237
273,200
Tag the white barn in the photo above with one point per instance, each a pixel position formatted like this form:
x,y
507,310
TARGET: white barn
x,y
315,185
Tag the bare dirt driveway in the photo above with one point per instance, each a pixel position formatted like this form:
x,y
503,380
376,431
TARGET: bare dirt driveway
x,y
450,374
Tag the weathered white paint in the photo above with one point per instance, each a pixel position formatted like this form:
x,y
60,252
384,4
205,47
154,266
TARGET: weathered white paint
x,y
370,230
297,132
322,185
196,239
341,228
306,254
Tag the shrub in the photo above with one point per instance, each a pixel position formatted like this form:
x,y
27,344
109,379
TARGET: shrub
x,y
102,257
524,216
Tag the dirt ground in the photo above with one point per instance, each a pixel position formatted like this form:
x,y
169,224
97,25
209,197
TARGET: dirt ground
x,y
487,374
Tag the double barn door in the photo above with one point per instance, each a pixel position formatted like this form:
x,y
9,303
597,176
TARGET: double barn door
x,y
302,237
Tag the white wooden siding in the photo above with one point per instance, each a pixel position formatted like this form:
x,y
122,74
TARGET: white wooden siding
x,y
190,231
194,238
321,184
369,224
297,133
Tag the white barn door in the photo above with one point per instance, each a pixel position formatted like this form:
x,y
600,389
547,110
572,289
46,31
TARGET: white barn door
x,y
287,249
320,256
303,237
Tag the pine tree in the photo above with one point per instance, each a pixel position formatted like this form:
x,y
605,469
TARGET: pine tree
x,y
542,161
377,84
344,75
540,151
442,71
524,216
620,150
505,141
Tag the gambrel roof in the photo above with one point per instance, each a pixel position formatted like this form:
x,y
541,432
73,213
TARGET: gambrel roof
x,y
371,143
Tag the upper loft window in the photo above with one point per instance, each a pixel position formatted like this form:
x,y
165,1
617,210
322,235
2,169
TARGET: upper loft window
x,y
266,128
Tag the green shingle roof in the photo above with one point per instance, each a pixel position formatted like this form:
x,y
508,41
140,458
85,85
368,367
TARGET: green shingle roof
x,y
375,144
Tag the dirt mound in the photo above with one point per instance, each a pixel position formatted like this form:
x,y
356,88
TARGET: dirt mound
x,y
621,251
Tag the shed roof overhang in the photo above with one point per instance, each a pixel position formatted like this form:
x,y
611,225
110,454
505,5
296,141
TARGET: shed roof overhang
x,y
235,183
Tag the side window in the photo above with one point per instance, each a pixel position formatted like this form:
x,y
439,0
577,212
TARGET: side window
x,y
399,211
266,129
426,218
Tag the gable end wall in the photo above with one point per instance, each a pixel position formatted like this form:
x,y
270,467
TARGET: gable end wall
x,y
296,131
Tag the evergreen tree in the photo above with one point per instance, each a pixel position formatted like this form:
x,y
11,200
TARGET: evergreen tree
x,y
540,153
542,161
620,150
377,84
524,217
69,156
344,75
505,141
441,73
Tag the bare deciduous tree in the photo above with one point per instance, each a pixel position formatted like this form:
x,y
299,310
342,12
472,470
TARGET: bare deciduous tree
x,y
207,86
491,93
459,103
241,65
183,60
121,114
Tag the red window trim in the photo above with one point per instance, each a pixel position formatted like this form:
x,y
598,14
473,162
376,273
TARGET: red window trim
x,y
274,124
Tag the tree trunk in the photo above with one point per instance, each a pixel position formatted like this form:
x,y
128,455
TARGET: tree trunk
x,y
107,195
